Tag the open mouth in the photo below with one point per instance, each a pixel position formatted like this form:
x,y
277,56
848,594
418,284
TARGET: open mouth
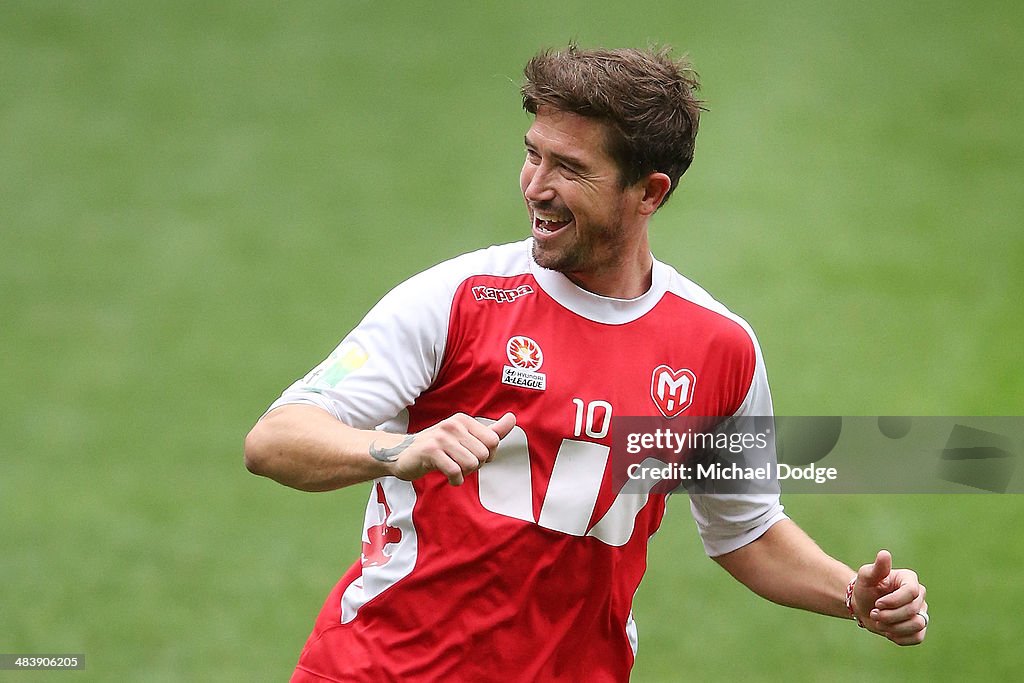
x,y
547,224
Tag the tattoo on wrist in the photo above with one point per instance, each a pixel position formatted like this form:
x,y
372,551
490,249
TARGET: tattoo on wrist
x,y
390,454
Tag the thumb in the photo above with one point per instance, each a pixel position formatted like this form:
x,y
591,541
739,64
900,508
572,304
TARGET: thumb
x,y
503,426
874,574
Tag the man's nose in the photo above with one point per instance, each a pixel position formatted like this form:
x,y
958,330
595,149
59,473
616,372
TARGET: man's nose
x,y
538,187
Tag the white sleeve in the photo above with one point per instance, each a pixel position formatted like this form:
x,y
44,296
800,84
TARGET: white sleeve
x,y
388,360
727,522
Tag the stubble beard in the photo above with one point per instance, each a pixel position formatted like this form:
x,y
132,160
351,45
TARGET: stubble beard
x,y
581,255
563,260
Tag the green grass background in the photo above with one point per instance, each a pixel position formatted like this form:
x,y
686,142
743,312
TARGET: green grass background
x,y
197,200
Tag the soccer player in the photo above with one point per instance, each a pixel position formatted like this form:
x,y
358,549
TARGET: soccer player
x,y
477,397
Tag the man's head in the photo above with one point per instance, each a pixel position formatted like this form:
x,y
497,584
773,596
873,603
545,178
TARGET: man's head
x,y
647,98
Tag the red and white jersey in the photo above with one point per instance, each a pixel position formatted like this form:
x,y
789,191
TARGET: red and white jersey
x,y
527,571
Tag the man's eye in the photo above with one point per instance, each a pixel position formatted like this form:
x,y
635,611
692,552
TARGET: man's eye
x,y
532,156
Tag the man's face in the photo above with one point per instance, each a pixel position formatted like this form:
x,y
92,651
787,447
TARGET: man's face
x,y
584,221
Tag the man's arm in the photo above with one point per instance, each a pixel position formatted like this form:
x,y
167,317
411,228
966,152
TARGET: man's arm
x,y
305,447
785,566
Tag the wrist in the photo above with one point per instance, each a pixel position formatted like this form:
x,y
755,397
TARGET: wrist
x,y
386,453
851,605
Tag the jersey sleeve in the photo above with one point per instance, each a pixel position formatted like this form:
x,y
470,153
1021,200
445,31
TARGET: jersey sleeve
x,y
727,522
388,360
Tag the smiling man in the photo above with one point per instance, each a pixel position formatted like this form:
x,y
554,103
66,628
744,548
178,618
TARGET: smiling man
x,y
478,397
586,225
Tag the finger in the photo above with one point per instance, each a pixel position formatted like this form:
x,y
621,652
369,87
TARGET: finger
x,y
450,469
462,434
909,639
905,628
504,425
477,442
490,433
902,602
903,595
481,437
888,617
914,623
469,456
920,618
874,574
905,601
438,458
911,624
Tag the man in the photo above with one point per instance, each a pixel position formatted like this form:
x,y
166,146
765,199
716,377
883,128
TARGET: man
x,y
478,397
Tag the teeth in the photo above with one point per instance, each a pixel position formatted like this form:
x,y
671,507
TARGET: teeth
x,y
549,223
550,218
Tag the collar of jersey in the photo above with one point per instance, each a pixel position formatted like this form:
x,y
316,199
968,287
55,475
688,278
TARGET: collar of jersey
x,y
601,309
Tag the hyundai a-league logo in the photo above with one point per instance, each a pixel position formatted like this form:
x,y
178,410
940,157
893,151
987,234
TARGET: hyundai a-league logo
x,y
525,357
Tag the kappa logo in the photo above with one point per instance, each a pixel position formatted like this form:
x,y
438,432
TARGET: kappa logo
x,y
484,293
672,390
525,357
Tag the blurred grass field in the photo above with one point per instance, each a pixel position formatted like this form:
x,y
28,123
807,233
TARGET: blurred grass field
x,y
197,200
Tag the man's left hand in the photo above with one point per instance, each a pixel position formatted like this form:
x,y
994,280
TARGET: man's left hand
x,y
890,602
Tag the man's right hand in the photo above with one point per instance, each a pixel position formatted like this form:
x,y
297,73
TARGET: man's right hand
x,y
455,447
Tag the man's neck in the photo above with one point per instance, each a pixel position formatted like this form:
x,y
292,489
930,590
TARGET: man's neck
x,y
621,281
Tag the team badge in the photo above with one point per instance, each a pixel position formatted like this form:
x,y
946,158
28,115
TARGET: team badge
x,y
525,357
672,390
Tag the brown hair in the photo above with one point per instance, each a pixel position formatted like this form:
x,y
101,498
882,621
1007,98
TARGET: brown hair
x,y
647,96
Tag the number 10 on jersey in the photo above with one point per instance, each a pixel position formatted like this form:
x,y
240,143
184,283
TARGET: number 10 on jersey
x,y
593,418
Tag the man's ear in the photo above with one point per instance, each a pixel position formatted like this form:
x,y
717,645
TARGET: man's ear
x,y
655,186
